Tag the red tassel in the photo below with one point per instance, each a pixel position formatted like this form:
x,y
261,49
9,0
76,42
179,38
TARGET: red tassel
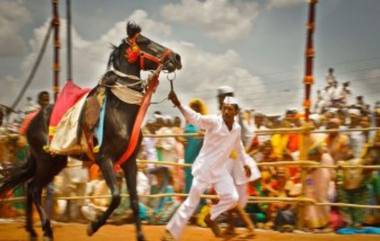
x,y
132,55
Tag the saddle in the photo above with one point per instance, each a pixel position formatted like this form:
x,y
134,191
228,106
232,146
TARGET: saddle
x,y
91,110
96,98
80,128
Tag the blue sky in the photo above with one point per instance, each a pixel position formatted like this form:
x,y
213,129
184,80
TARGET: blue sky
x,y
255,46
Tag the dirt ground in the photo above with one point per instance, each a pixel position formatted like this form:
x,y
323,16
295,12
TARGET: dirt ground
x,y
14,231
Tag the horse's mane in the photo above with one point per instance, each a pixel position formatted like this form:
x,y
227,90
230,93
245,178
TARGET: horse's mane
x,y
112,58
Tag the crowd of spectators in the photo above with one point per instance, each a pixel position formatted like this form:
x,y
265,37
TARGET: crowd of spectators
x,y
332,111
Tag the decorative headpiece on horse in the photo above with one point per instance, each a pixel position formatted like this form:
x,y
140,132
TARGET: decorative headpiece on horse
x,y
133,52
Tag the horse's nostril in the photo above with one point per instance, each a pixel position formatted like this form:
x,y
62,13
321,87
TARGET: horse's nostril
x,y
178,61
170,67
178,58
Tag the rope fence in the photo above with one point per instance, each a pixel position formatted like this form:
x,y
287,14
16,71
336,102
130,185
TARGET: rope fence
x,y
310,164
258,132
272,132
251,199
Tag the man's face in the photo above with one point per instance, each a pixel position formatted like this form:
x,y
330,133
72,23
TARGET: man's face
x,y
259,120
221,98
44,100
365,122
355,119
196,108
377,118
229,112
332,125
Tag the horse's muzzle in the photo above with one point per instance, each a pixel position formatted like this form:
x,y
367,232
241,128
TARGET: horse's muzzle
x,y
173,63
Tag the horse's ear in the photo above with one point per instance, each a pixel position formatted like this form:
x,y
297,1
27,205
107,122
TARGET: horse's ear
x,y
111,58
132,29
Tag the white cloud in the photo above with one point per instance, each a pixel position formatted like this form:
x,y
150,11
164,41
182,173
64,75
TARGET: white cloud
x,y
89,57
220,19
374,74
149,25
10,86
13,16
202,73
283,3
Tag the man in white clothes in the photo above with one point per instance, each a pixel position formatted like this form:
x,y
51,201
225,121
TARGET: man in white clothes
x,y
236,170
221,137
330,78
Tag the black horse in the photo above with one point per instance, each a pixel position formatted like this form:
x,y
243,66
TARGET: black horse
x,y
134,54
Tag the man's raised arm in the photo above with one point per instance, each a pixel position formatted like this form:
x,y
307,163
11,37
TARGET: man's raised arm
x,y
203,121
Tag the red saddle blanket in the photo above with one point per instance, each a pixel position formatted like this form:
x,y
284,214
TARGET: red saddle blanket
x,y
68,96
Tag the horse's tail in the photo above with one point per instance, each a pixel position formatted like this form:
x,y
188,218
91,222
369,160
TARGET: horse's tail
x,y
17,175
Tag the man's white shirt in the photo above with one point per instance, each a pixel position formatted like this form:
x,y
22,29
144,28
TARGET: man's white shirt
x,y
218,143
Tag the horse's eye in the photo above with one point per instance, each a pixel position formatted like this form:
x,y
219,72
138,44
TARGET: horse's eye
x,y
142,41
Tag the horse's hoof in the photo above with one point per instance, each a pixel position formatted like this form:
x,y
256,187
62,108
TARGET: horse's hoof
x,y
46,238
33,238
90,230
140,237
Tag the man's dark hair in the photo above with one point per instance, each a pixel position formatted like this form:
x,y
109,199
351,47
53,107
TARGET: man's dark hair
x,y
42,93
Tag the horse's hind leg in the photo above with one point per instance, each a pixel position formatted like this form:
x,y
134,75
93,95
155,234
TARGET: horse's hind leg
x,y
29,213
130,171
106,166
44,175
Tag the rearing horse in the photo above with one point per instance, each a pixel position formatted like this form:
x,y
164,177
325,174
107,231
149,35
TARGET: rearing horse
x,y
134,54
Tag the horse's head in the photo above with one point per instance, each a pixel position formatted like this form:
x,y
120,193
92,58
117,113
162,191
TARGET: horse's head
x,y
148,54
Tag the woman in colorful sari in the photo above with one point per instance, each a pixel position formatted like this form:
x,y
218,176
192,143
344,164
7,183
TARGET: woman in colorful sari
x,y
161,209
317,185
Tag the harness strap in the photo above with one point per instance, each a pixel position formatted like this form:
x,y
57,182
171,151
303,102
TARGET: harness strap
x,y
144,55
135,135
129,76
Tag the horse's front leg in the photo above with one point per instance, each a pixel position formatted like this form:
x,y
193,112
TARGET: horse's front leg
x,y
29,213
130,171
106,167
45,222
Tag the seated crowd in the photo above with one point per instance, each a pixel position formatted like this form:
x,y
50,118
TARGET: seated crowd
x,y
325,185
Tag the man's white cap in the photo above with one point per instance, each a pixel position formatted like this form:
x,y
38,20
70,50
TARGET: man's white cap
x,y
354,111
225,89
229,100
315,117
333,110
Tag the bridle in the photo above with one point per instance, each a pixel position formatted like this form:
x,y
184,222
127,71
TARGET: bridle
x,y
134,52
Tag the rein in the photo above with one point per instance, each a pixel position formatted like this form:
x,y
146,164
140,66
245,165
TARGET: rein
x,y
131,54
135,135
171,89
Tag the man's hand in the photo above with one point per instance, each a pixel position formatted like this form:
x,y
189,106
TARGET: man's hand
x,y
247,170
173,97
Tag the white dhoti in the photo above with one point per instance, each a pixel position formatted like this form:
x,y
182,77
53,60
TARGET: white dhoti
x,y
236,170
243,194
228,198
